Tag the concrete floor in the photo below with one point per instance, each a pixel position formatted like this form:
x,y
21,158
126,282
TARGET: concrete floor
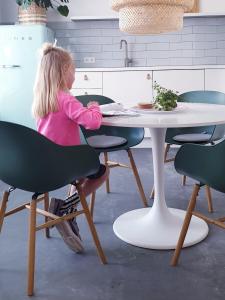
x,y
132,273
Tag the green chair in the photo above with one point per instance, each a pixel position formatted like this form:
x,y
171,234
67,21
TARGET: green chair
x,y
197,135
31,162
109,139
208,168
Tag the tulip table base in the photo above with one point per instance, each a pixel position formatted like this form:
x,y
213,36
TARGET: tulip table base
x,y
143,228
159,227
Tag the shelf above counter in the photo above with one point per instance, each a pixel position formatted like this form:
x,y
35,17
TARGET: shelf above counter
x,y
187,15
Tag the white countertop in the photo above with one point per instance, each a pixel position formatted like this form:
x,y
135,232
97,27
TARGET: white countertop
x,y
151,68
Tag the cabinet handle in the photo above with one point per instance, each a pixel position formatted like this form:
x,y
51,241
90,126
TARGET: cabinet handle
x,y
85,93
148,77
9,66
85,77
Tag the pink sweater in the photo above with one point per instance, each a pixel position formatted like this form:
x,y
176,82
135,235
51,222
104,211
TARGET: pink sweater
x,y
62,127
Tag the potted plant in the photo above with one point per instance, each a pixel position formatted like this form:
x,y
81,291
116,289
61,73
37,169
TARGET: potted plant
x,y
165,99
34,11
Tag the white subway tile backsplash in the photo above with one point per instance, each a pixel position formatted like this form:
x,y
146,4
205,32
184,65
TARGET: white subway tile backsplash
x,y
201,41
204,29
193,53
182,45
221,60
215,52
158,46
204,61
204,45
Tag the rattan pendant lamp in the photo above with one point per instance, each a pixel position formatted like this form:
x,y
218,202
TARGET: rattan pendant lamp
x,y
151,16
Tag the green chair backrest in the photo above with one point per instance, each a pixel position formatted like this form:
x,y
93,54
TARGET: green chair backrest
x,y
210,97
31,162
133,135
208,165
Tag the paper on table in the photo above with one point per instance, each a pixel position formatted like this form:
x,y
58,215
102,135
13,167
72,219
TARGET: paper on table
x,y
116,109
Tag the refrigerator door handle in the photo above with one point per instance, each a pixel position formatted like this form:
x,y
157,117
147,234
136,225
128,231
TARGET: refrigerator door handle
x,y
9,66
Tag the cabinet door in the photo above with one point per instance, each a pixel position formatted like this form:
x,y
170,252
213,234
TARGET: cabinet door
x,y
79,92
215,80
128,87
180,80
89,80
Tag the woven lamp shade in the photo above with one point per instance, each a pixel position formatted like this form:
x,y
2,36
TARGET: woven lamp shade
x,y
33,14
151,16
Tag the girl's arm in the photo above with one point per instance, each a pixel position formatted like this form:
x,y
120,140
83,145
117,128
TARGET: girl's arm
x,y
90,117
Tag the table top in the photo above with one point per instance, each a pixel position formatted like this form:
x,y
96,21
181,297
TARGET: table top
x,y
186,115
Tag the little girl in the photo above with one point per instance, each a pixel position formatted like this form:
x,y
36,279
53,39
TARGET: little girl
x,y
57,112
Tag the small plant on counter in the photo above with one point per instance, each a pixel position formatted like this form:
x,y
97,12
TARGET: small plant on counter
x,y
165,99
55,4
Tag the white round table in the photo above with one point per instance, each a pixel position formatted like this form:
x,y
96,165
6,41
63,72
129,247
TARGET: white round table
x,y
159,227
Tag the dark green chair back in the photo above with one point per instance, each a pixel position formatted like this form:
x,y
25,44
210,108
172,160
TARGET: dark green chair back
x,y
211,97
208,165
31,162
133,135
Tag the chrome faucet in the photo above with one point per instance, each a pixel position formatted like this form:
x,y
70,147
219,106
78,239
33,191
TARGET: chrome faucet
x,y
127,60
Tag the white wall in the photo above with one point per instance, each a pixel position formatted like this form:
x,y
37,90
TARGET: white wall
x,y
85,8
9,9
77,8
0,11
212,6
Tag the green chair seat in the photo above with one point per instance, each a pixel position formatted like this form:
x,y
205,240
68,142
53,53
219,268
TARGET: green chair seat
x,y
192,138
105,141
212,133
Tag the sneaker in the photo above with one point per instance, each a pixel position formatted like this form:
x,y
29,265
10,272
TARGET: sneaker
x,y
68,229
65,207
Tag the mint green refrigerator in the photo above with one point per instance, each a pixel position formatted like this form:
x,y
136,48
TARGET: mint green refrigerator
x,y
19,45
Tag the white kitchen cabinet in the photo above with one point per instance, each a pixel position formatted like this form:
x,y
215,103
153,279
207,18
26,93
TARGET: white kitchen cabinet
x,y
91,80
79,92
180,80
87,83
215,80
128,87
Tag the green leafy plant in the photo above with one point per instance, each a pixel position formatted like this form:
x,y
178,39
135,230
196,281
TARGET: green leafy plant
x,y
59,5
165,99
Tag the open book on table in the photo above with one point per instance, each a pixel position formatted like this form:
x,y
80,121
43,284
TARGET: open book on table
x,y
116,109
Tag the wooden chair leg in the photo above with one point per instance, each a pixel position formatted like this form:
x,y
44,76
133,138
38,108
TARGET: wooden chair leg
x,y
46,207
209,198
166,152
92,204
137,177
184,179
152,195
91,225
185,225
106,164
31,248
3,208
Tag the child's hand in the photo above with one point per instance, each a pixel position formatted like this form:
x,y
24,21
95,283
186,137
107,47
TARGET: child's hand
x,y
92,103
